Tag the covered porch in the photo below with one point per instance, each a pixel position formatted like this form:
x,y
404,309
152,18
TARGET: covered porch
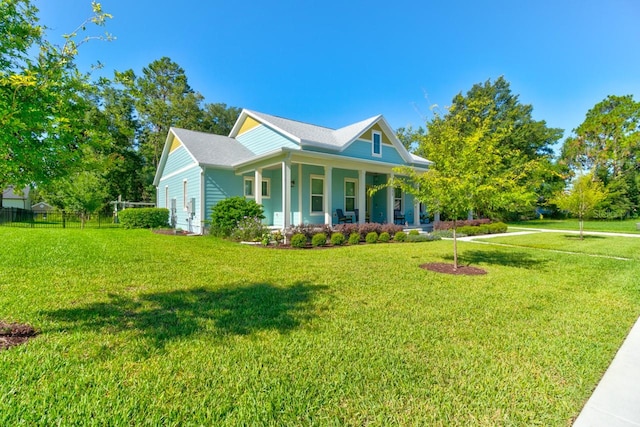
x,y
298,188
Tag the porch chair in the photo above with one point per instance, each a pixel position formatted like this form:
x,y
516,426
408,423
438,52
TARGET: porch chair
x,y
356,213
398,216
342,217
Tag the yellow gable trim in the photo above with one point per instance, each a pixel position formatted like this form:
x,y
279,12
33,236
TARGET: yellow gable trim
x,y
367,136
249,123
175,144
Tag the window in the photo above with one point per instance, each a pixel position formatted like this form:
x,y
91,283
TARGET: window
x,y
248,187
166,196
397,199
317,194
376,144
350,195
184,194
266,188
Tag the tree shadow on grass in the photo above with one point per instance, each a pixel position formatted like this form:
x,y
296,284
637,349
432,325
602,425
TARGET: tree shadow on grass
x,y
584,237
165,316
513,258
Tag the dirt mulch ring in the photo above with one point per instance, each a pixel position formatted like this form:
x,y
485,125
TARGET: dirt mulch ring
x,y
441,267
14,334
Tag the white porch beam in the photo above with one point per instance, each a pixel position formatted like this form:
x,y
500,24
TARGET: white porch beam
x,y
328,172
362,196
286,193
257,186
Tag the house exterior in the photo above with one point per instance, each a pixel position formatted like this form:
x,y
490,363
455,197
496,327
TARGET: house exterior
x,y
300,173
11,198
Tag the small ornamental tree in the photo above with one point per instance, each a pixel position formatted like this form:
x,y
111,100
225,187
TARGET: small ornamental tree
x,y
581,199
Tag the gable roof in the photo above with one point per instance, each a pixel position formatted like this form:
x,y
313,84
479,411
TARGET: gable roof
x,y
11,193
206,149
212,150
306,134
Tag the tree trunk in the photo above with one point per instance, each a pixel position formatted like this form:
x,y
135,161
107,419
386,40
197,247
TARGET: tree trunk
x,y
455,247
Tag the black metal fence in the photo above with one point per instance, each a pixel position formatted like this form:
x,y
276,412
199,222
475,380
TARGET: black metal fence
x,y
15,217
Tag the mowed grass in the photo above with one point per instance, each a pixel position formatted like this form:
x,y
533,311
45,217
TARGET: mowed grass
x,y
626,226
144,329
611,246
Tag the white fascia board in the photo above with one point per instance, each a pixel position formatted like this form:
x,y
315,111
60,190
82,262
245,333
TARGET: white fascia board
x,y
264,122
180,171
267,159
163,157
347,163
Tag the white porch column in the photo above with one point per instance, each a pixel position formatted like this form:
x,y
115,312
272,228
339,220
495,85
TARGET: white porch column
x,y
300,221
257,186
416,213
328,172
286,193
390,197
362,196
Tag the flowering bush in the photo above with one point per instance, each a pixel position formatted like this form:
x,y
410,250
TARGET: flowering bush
x,y
249,229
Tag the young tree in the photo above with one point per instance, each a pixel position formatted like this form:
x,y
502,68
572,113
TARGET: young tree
x,y
468,172
42,102
582,199
607,145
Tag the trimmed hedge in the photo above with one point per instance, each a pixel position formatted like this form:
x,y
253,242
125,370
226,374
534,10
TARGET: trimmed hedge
x,y
338,239
354,238
299,240
400,236
319,239
371,237
384,237
144,218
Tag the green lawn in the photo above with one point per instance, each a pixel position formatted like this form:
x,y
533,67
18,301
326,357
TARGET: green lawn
x,y
145,329
623,247
627,226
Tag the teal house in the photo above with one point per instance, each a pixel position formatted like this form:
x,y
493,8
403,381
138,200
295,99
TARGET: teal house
x,y
300,173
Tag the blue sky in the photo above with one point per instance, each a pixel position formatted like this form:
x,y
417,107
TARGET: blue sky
x,y
332,63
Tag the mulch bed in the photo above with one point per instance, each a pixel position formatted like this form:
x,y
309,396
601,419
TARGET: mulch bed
x,y
441,267
14,334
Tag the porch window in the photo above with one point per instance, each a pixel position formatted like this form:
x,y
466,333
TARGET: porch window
x,y
376,144
317,195
397,199
248,187
350,194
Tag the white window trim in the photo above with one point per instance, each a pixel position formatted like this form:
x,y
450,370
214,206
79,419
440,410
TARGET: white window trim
x,y
311,211
373,143
166,196
251,180
268,181
355,196
185,197
244,187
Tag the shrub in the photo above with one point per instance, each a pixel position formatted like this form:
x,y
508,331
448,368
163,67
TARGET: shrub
x,y
309,230
392,229
319,239
354,238
338,239
227,214
497,227
371,237
422,238
400,236
447,234
384,237
414,233
448,225
299,240
469,230
369,227
346,229
144,218
249,230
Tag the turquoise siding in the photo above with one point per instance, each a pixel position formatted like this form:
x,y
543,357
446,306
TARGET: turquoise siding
x,y
362,150
263,139
174,185
305,182
220,184
177,160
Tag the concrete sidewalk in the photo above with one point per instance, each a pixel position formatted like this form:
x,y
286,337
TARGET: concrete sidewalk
x,y
616,400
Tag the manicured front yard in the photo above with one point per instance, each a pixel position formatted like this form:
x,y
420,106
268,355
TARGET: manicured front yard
x,y
626,226
145,329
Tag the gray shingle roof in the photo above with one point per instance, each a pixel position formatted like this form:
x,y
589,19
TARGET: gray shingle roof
x,y
213,150
308,133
